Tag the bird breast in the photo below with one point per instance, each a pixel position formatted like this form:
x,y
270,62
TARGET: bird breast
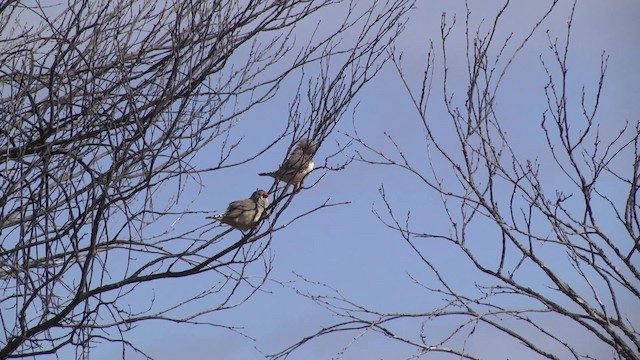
x,y
309,168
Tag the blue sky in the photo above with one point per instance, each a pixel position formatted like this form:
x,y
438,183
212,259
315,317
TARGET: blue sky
x,y
346,246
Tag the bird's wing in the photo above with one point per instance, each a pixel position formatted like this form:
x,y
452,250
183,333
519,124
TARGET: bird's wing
x,y
238,207
296,162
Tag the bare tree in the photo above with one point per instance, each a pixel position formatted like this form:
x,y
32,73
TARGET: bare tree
x,y
105,108
547,239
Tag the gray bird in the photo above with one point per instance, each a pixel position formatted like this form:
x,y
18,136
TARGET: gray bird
x,y
297,166
245,214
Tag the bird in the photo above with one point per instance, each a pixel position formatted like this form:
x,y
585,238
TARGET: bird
x,y
297,166
245,214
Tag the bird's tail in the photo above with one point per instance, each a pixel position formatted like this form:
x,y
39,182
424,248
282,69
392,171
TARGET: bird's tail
x,y
215,217
272,174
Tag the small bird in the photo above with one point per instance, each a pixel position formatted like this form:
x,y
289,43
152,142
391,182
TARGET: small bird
x,y
245,214
297,166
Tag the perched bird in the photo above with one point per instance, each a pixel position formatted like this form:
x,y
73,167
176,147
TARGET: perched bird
x,y
297,166
245,214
